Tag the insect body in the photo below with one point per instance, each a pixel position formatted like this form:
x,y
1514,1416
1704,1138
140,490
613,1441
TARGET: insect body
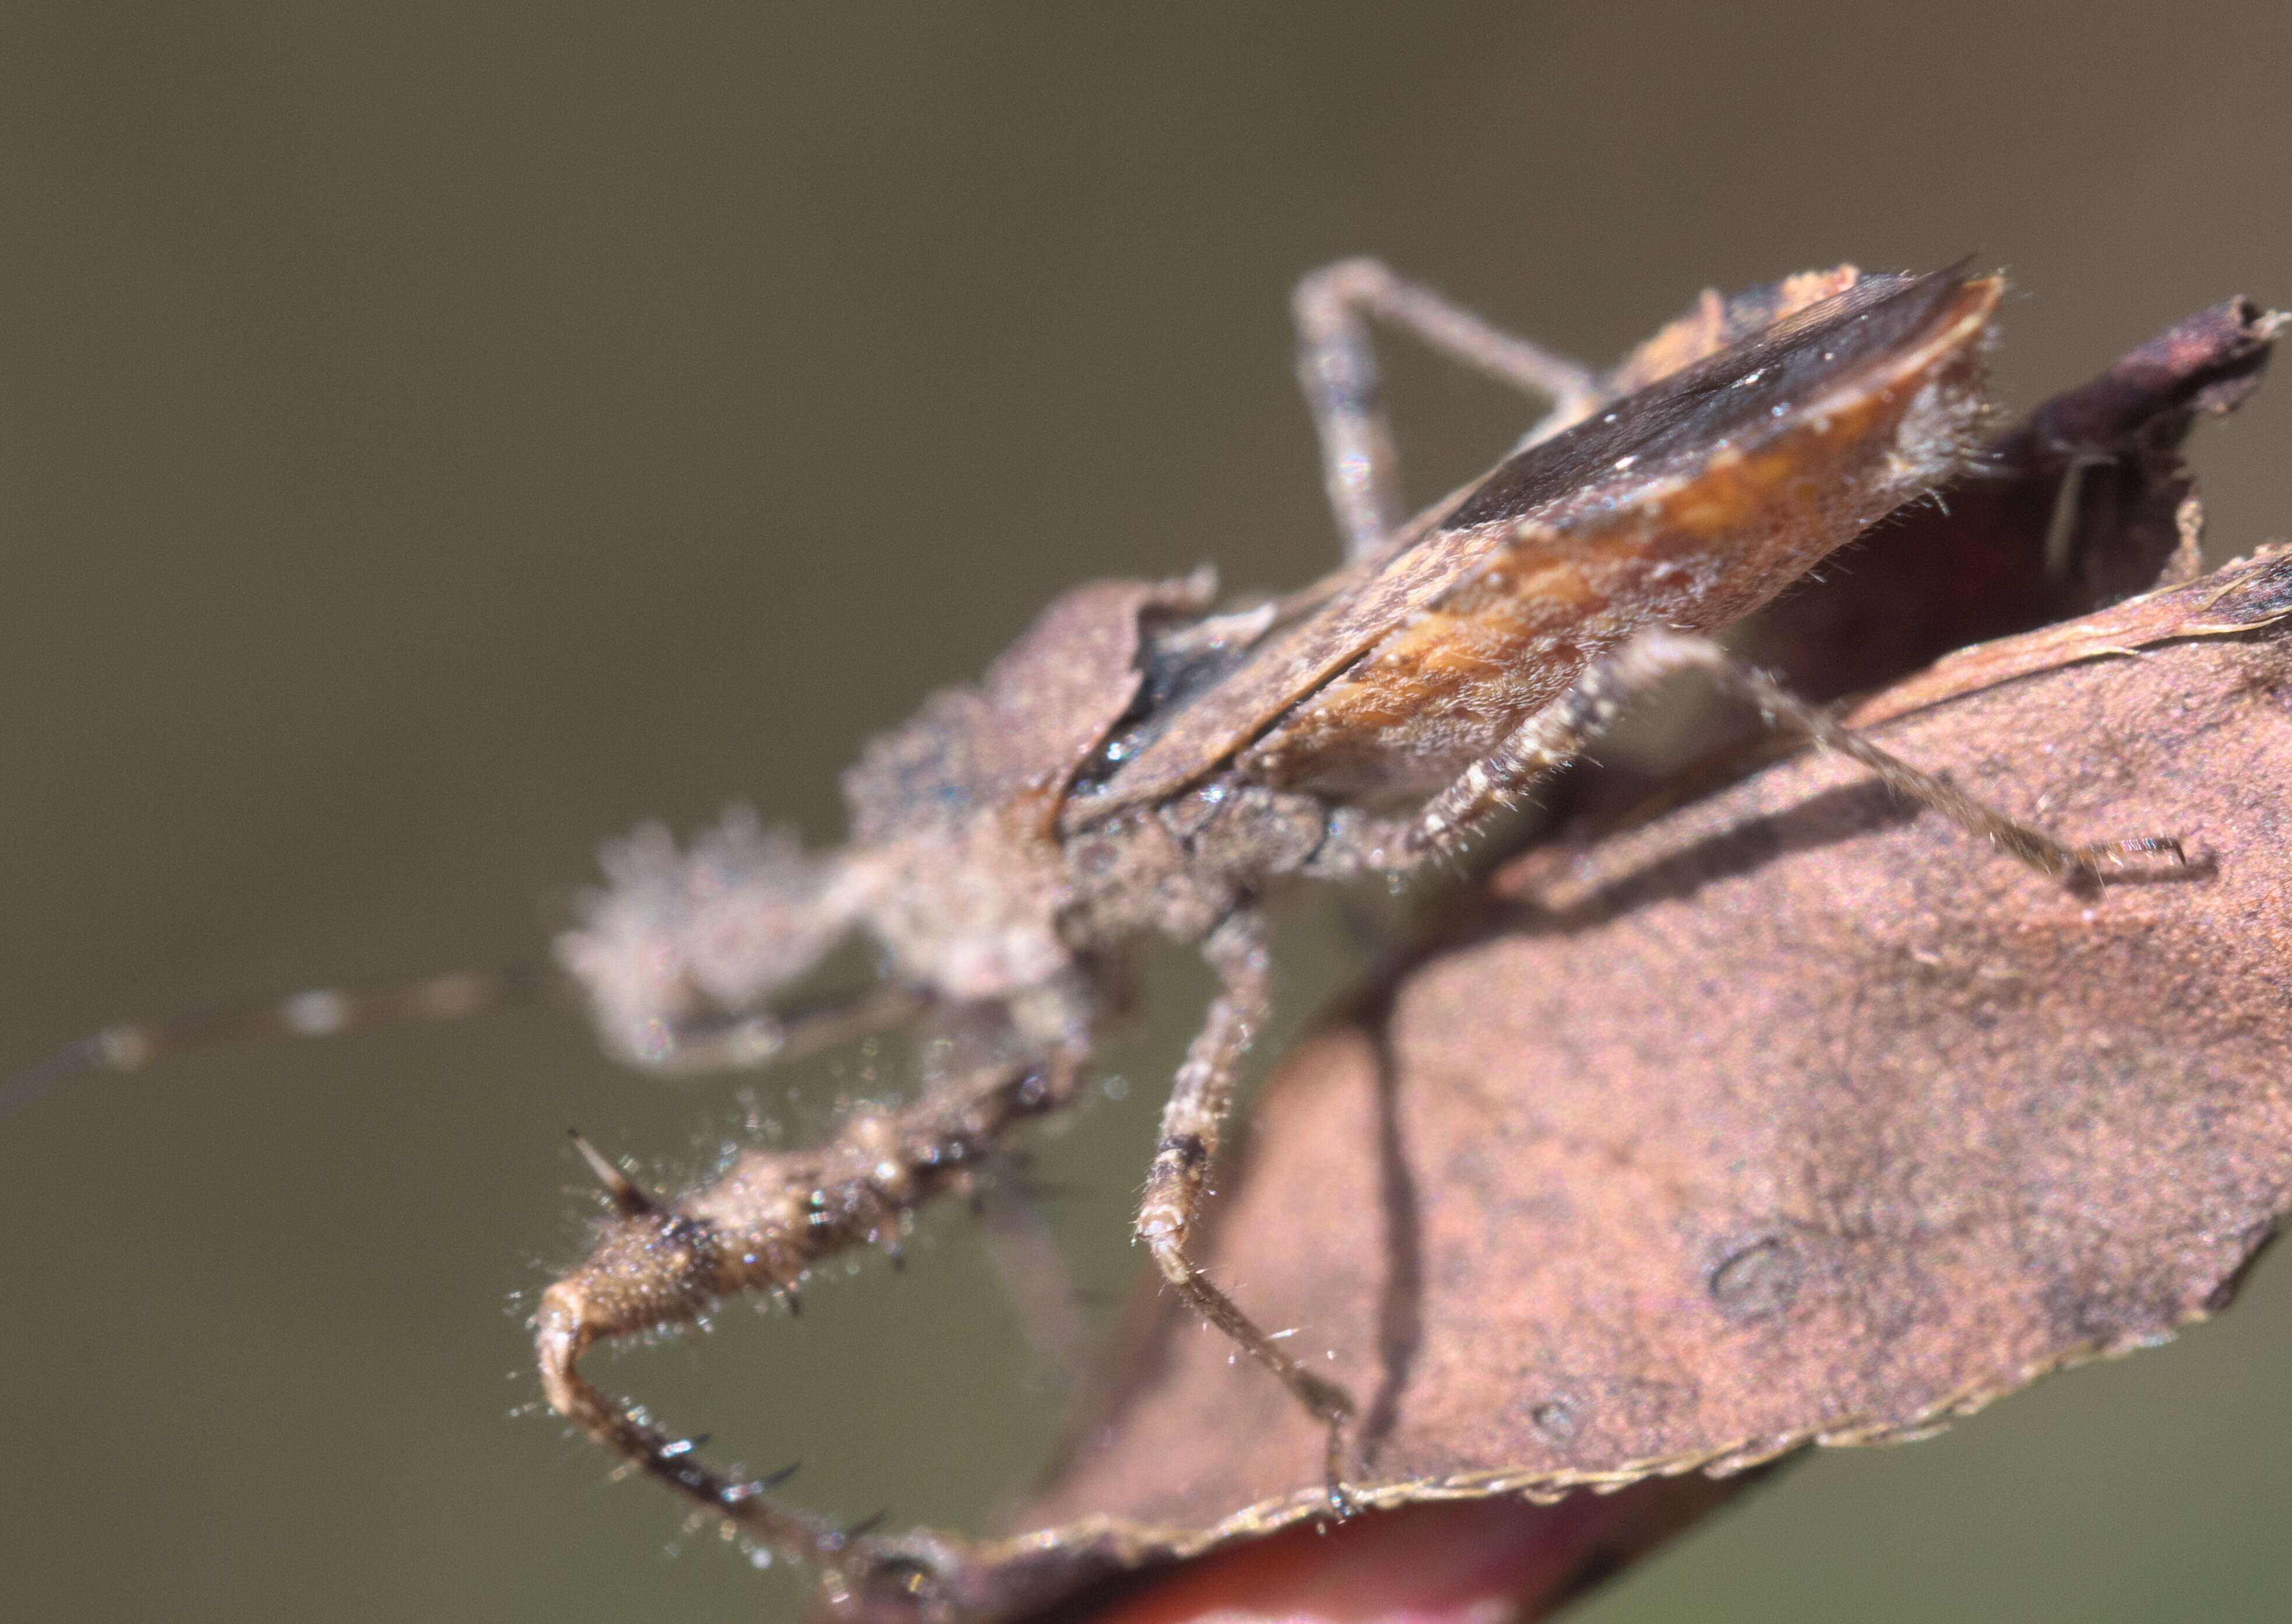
x,y
1142,765
1137,765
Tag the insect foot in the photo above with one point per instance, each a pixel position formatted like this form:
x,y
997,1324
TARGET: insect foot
x,y
659,1264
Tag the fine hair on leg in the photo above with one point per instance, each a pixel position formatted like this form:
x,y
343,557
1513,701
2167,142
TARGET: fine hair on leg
x,y
766,1223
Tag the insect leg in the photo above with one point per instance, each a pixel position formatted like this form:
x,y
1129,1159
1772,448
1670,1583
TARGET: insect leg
x,y
1337,367
1200,1101
763,1226
1560,732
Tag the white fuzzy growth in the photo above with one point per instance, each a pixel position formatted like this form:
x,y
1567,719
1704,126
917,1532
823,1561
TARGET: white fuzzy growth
x,y
719,927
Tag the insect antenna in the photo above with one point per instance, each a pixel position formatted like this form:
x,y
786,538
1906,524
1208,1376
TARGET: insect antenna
x,y
318,1013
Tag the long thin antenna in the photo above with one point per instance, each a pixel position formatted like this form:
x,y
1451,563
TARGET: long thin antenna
x,y
319,1013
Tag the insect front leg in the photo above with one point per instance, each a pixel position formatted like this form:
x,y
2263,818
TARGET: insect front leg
x,y
1200,1101
1560,732
1336,365
763,1226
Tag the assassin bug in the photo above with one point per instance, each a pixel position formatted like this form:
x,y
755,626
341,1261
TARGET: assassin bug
x,y
1143,763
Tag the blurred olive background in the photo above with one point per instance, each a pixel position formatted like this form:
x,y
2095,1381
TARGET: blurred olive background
x,y
434,437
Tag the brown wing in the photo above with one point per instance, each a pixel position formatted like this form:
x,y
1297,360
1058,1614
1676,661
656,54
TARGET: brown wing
x,y
1662,430
1711,324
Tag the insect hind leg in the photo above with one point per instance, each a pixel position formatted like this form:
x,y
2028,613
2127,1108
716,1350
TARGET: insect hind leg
x,y
1562,731
1336,365
1200,1101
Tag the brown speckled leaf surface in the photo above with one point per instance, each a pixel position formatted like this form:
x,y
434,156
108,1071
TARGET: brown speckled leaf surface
x,y
1789,1118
